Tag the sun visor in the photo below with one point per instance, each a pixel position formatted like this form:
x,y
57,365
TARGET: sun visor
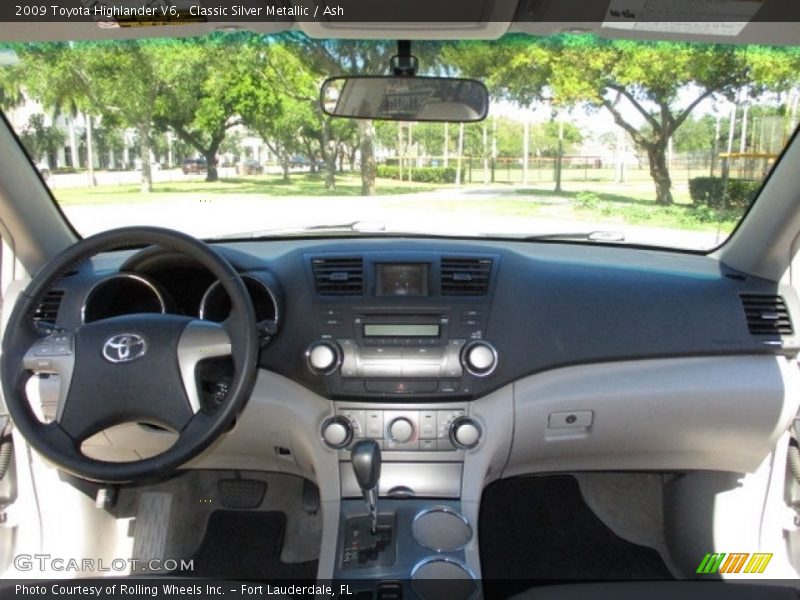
x,y
410,19
723,21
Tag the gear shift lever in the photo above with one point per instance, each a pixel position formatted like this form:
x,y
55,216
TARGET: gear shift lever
x,y
366,459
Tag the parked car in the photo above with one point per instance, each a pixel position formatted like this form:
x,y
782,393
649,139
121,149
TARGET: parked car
x,y
193,166
299,161
251,167
44,170
154,165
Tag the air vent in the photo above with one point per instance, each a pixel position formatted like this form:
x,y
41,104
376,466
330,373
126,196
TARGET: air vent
x,y
47,311
465,276
767,315
339,276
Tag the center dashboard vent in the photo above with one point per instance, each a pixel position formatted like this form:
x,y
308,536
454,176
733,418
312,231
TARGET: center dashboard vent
x,y
465,276
47,311
767,315
336,276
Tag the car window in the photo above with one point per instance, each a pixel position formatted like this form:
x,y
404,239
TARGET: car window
x,y
655,143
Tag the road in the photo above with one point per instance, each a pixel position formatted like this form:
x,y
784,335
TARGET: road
x,y
441,212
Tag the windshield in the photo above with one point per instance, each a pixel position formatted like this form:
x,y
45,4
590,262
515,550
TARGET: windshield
x,y
655,143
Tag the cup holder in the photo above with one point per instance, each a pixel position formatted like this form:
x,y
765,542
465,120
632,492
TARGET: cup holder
x,y
438,577
441,529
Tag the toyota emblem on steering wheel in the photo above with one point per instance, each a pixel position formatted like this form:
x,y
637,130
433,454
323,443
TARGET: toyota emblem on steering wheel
x,y
124,348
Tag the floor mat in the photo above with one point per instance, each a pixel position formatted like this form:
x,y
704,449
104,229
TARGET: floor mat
x,y
539,529
246,545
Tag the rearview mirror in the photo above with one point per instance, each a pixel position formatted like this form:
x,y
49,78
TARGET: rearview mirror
x,y
405,98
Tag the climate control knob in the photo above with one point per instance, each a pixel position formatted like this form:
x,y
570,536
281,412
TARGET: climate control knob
x,y
337,432
401,430
322,357
465,433
479,358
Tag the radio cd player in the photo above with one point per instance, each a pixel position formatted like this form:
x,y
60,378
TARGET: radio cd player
x,y
379,352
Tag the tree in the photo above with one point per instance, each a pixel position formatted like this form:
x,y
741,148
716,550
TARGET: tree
x,y
198,99
659,82
109,141
11,92
545,138
126,82
119,80
273,98
55,75
40,140
695,134
351,57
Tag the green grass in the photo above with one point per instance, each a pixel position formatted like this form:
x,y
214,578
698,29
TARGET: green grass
x,y
263,185
636,209
629,203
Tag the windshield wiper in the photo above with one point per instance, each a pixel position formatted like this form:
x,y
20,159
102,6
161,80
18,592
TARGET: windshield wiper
x,y
360,226
589,236
353,227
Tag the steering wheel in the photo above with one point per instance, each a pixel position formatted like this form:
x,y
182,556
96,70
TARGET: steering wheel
x,y
131,368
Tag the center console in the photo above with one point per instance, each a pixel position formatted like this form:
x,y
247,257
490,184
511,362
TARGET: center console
x,y
392,351
402,352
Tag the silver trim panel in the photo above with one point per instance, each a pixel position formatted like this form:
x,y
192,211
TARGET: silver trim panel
x,y
200,340
204,300
465,361
436,480
147,283
49,357
442,509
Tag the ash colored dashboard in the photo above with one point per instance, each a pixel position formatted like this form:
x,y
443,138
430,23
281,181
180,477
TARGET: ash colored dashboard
x,y
442,320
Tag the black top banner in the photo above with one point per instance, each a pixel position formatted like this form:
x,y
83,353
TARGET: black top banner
x,y
623,14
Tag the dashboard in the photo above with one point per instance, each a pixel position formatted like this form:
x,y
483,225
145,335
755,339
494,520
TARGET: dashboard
x,y
464,361
441,320
468,361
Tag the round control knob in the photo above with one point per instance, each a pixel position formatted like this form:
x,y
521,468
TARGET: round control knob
x,y
322,357
401,430
480,358
465,433
337,432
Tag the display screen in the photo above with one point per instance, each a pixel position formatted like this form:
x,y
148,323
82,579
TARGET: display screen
x,y
401,330
402,279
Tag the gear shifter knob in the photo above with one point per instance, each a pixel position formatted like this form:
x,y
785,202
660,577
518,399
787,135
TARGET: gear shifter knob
x,y
366,460
366,457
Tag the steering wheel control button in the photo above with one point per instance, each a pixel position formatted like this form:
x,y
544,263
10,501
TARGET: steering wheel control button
x,y
43,350
337,432
465,433
479,358
401,431
43,365
323,358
